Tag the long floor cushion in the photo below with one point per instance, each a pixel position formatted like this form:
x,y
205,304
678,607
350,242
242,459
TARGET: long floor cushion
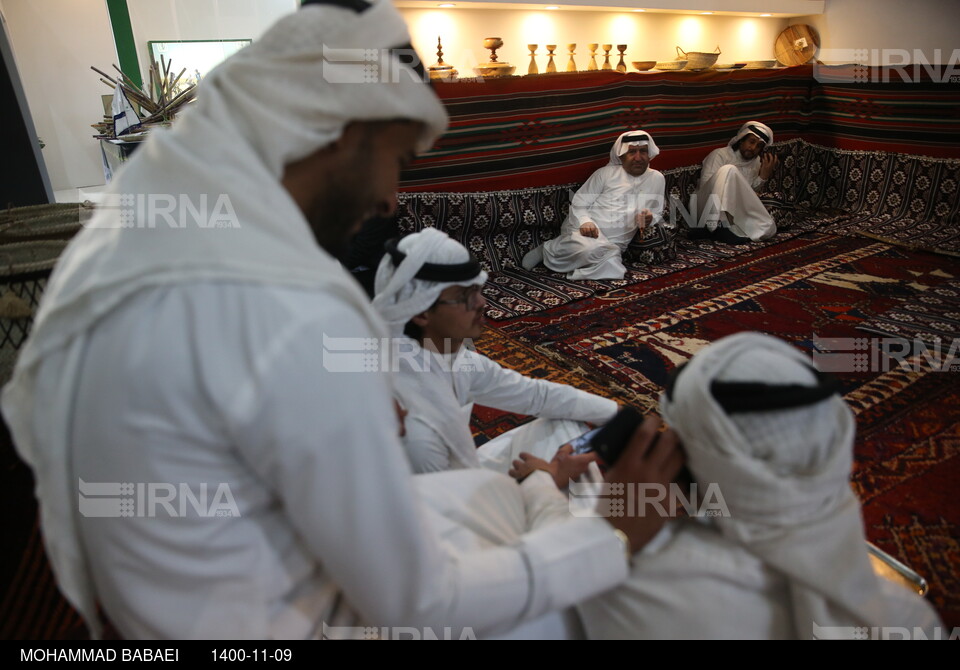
x,y
909,200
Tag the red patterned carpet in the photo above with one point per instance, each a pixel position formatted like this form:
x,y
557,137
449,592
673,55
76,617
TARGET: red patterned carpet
x,y
624,343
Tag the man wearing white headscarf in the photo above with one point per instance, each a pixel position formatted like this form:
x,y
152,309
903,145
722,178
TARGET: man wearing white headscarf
x,y
203,470
787,556
619,200
727,205
430,286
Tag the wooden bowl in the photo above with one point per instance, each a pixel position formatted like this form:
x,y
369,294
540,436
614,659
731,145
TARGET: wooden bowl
x,y
493,70
671,65
760,64
644,65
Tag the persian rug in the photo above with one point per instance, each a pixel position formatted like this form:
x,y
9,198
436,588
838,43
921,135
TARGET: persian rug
x,y
813,291
933,318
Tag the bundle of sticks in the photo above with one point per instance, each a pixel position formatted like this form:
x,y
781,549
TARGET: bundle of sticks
x,y
159,108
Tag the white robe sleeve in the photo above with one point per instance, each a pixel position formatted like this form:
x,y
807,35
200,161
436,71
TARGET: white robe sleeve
x,y
654,197
752,174
494,386
711,164
425,447
545,504
584,198
346,487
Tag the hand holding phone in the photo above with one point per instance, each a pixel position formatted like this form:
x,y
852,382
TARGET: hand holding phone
x,y
768,163
650,459
610,440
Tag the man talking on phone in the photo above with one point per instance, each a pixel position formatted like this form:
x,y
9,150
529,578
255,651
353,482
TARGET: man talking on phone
x,y
727,205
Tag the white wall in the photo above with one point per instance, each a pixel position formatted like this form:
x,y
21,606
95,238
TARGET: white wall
x,y
54,43
648,36
888,30
168,20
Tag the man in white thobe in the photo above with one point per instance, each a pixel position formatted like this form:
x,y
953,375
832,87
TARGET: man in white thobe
x,y
727,206
778,550
617,202
429,286
203,470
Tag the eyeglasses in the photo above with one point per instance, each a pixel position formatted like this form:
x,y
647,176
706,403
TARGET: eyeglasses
x,y
470,299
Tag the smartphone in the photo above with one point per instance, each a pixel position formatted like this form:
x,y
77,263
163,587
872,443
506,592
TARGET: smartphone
x,y
582,444
610,440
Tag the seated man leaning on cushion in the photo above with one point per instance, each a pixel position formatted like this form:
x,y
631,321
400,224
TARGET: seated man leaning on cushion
x,y
613,205
429,292
727,206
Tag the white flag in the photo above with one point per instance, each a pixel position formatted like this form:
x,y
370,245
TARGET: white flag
x,y
125,119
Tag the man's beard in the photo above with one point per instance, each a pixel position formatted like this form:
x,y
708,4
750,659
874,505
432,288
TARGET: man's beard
x,y
338,213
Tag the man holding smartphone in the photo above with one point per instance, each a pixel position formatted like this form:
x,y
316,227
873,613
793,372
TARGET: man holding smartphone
x,y
727,206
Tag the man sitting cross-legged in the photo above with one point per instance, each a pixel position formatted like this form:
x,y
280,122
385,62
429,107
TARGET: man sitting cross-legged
x,y
429,292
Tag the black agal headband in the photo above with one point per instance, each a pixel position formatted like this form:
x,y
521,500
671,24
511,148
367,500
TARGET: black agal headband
x,y
439,272
356,5
636,137
737,397
759,133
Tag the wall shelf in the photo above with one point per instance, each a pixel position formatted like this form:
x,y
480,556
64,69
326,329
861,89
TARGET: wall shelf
x,y
784,8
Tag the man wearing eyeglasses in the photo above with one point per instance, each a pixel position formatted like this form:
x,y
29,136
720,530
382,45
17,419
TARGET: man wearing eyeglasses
x,y
429,290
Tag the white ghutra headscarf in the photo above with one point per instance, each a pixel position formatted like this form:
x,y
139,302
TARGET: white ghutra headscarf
x,y
755,128
410,279
631,138
783,473
278,100
400,294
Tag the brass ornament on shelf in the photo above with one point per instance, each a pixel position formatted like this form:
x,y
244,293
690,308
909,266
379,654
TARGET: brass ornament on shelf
x,y
571,65
551,66
492,43
533,59
606,57
593,56
493,68
441,70
622,66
